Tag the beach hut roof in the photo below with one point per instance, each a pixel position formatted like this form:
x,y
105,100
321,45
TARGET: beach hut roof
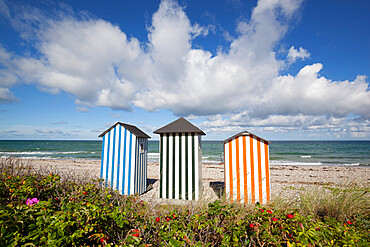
x,y
133,129
181,125
244,133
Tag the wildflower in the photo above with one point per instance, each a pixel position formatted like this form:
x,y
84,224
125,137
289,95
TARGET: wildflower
x,y
84,193
135,234
167,218
274,219
290,216
349,223
102,240
32,201
280,227
262,210
157,219
174,216
318,229
290,235
251,225
269,211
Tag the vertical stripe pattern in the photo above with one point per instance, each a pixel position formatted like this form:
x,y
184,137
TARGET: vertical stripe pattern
x,y
180,166
124,161
247,174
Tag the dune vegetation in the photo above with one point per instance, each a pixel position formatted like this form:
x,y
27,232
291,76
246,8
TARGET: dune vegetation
x,y
44,208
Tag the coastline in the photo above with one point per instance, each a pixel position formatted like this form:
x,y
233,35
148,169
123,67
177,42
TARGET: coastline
x,y
286,181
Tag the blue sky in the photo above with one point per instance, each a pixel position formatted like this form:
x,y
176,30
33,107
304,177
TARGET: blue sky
x,y
281,69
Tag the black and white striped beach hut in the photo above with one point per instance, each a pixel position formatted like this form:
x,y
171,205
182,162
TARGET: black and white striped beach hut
x,y
180,160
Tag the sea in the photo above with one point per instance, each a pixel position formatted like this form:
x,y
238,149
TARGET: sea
x,y
304,153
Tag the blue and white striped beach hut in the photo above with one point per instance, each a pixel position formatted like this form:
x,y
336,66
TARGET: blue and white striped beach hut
x,y
180,161
124,158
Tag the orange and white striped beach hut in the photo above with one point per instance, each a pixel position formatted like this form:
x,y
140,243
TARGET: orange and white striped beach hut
x,y
247,170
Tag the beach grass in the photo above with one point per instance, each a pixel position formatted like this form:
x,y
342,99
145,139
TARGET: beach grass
x,y
342,202
42,207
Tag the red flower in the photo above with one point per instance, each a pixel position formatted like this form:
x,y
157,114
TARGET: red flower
x,y
290,235
349,223
251,225
56,199
102,240
269,211
262,210
137,233
157,219
168,219
290,216
84,193
280,227
274,219
318,229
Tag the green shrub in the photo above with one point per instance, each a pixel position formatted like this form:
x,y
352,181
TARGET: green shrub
x,y
77,214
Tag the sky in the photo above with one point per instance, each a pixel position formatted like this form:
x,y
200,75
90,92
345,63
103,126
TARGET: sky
x,y
280,69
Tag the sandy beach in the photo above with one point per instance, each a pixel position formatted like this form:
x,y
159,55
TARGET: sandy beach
x,y
285,180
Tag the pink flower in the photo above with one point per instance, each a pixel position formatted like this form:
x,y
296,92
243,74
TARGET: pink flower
x,y
274,219
290,216
32,201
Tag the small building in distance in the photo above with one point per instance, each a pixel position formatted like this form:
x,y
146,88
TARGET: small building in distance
x,y
124,158
180,160
247,171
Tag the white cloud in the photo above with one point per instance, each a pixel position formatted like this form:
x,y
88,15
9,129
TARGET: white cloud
x,y
82,109
294,54
96,62
6,96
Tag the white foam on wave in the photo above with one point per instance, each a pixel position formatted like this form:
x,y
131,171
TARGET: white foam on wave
x,y
27,153
41,153
305,156
31,157
294,163
153,155
71,152
351,164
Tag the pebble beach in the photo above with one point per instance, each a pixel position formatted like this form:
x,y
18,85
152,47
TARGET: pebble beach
x,y
285,180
